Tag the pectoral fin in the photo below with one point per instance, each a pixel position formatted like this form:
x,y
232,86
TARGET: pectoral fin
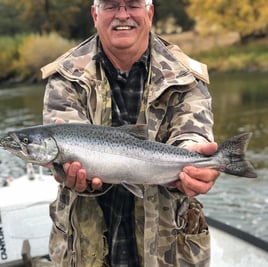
x,y
134,189
59,170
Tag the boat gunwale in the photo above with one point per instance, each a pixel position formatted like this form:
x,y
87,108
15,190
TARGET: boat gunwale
x,y
249,238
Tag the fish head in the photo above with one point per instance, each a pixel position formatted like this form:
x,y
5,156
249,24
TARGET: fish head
x,y
31,145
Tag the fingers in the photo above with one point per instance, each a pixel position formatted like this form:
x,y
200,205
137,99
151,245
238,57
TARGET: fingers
x,y
194,181
81,180
60,121
76,177
204,148
96,183
205,175
208,149
71,170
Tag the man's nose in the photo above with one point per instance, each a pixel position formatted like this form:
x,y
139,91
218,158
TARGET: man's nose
x,y
122,10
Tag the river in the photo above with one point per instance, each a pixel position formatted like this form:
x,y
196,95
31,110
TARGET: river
x,y
239,105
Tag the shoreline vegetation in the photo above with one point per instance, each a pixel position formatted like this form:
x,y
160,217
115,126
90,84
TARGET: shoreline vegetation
x,y
23,55
224,52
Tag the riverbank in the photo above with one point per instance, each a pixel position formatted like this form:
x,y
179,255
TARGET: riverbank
x,y
22,57
224,52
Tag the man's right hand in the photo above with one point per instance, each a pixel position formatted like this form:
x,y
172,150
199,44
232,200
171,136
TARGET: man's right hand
x,y
76,177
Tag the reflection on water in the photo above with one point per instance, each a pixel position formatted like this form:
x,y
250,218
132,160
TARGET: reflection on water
x,y
19,107
239,105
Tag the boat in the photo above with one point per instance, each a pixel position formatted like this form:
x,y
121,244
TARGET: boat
x,y
232,247
25,227
24,219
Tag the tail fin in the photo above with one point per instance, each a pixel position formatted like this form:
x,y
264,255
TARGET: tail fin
x,y
233,151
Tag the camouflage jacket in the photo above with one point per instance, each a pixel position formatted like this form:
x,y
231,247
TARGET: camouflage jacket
x,y
170,227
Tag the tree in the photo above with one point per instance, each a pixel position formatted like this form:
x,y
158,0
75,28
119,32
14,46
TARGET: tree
x,y
247,17
173,10
9,22
70,19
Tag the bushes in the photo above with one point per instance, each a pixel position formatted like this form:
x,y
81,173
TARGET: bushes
x,y
252,56
23,57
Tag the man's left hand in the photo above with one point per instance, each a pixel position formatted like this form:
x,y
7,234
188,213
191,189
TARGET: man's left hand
x,y
194,181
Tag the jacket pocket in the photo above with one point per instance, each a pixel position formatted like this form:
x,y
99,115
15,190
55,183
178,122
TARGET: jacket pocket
x,y
61,237
193,250
193,239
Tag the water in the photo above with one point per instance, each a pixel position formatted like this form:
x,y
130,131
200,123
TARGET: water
x,y
20,106
239,104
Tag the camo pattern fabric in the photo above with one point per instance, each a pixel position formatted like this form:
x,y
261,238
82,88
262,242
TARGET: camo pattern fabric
x,y
170,227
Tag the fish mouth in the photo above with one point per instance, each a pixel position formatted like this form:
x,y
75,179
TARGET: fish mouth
x,y
11,142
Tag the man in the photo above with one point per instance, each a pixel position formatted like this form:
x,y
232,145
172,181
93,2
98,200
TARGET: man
x,y
126,74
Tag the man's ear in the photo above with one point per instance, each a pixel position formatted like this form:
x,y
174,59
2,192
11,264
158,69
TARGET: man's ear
x,y
94,13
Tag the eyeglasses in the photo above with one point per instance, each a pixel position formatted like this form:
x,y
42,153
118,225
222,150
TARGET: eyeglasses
x,y
132,8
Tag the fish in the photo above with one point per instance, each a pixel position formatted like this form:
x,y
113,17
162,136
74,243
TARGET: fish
x,y
121,155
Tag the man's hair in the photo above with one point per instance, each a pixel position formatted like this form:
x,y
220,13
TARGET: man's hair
x,y
147,2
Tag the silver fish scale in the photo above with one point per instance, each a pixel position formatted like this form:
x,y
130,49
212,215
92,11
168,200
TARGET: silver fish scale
x,y
117,156
117,141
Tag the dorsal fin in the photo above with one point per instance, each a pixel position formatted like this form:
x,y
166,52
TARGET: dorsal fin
x,y
139,131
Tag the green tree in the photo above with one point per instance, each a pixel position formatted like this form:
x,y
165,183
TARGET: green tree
x,y
9,22
175,9
247,17
70,19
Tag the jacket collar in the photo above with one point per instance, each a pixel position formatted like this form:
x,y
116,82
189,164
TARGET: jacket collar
x,y
79,63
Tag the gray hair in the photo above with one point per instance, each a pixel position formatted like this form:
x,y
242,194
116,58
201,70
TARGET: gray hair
x,y
147,2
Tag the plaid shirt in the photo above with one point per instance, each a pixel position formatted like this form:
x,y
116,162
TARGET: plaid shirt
x,y
126,88
118,203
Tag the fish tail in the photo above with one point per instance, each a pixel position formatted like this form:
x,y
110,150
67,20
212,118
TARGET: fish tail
x,y
232,152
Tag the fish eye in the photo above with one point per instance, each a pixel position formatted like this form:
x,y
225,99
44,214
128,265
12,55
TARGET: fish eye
x,y
25,140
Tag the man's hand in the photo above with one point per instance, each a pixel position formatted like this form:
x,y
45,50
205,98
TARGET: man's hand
x,y
76,177
194,181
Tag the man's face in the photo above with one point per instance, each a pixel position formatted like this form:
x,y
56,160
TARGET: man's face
x,y
123,24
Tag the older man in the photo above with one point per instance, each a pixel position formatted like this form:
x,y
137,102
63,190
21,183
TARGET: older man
x,y
125,74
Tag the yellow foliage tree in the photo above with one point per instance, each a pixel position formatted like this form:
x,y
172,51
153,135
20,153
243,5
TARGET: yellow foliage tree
x,y
247,17
8,53
38,50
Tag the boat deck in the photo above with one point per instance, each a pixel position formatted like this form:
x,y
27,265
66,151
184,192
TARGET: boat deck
x,y
25,226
